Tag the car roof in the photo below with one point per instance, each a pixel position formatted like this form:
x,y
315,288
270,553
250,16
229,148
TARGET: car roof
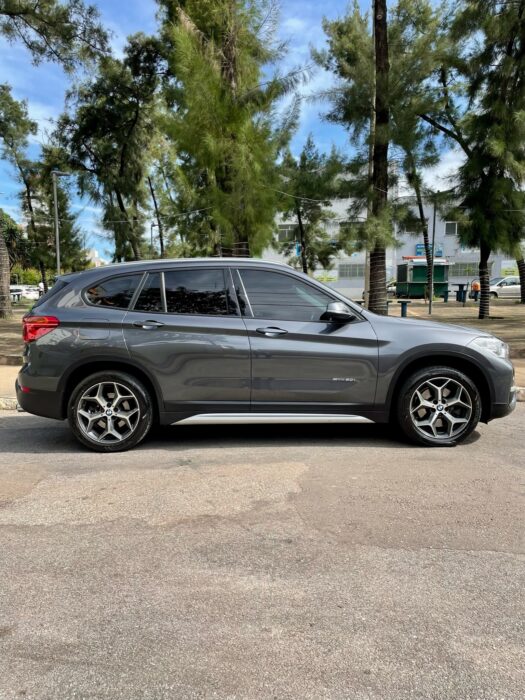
x,y
132,265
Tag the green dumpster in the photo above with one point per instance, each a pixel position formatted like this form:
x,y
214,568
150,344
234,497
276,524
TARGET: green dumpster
x,y
412,277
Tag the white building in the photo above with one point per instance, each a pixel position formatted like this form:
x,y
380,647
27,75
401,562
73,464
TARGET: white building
x,y
94,258
347,273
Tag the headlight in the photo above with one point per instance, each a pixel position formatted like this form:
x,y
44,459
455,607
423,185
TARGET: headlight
x,y
490,344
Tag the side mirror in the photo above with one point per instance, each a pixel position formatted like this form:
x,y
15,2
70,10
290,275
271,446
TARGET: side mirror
x,y
337,311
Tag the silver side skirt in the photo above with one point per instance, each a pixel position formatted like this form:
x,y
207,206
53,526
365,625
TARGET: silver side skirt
x,y
262,418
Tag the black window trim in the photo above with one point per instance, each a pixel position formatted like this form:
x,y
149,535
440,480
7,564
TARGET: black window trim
x,y
287,274
139,286
235,273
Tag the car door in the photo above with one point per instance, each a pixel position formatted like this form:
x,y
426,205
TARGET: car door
x,y
185,328
301,363
512,287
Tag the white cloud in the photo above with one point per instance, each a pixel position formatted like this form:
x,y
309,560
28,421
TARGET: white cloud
x,y
442,175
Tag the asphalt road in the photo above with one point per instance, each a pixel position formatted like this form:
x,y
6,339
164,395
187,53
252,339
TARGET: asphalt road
x,y
268,562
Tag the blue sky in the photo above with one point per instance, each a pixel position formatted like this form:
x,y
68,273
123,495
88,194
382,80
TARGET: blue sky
x,y
44,87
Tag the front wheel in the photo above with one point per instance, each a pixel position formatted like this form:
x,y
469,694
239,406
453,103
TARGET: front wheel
x,y
110,412
438,406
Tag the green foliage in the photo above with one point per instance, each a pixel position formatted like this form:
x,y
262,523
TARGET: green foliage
x,y
311,183
15,241
105,136
23,275
66,32
223,124
42,247
413,39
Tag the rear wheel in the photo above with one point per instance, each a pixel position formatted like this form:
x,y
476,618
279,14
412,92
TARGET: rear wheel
x,y
438,406
110,412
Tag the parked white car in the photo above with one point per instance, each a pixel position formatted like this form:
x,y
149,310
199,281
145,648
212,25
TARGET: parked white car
x,y
25,291
505,287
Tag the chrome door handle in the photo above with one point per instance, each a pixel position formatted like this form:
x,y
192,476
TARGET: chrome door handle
x,y
271,331
148,325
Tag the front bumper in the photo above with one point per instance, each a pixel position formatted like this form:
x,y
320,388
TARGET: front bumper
x,y
500,410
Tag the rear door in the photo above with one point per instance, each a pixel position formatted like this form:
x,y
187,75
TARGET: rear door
x,y
299,362
185,328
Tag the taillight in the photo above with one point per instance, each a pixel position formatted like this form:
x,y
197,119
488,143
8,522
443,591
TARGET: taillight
x,y
37,326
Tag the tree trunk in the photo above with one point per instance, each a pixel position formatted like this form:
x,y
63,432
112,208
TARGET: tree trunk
x,y
131,235
304,259
378,296
521,271
484,281
5,276
157,215
416,184
43,275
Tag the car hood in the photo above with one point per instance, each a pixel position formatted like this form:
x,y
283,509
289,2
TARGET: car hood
x,y
422,324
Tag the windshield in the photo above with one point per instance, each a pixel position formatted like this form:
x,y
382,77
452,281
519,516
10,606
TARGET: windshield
x,y
495,280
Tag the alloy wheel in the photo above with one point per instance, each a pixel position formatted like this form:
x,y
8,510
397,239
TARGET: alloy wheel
x,y
440,408
108,412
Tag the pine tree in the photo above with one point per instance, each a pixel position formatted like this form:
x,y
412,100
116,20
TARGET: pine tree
x,y
480,106
384,73
222,120
42,239
64,32
105,137
311,183
15,129
5,267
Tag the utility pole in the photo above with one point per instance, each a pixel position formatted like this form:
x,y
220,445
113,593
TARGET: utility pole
x,y
54,175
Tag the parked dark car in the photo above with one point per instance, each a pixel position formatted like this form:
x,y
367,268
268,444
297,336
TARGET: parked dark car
x,y
118,348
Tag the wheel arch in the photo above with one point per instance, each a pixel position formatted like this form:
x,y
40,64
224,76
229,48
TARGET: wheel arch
x,y
458,362
81,371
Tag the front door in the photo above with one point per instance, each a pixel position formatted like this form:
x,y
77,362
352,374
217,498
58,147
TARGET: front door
x,y
185,328
299,362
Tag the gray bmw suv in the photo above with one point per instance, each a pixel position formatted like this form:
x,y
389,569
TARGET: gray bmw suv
x,y
181,342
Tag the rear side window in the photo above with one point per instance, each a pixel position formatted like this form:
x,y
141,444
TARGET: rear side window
x,y
150,297
114,292
57,287
201,292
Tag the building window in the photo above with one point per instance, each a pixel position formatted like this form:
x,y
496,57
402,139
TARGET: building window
x,y
466,269
285,233
451,228
351,270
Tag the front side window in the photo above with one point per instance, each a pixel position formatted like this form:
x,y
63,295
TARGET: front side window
x,y
201,292
115,292
275,296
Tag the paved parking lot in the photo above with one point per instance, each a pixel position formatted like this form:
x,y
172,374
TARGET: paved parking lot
x,y
267,562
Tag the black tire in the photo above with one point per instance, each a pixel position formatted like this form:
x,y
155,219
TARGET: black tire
x,y
454,415
493,295
135,408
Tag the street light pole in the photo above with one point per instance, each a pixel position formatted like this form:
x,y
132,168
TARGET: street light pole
x,y
152,226
433,247
54,175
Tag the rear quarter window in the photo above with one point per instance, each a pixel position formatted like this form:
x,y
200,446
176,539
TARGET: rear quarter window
x,y
113,292
51,292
